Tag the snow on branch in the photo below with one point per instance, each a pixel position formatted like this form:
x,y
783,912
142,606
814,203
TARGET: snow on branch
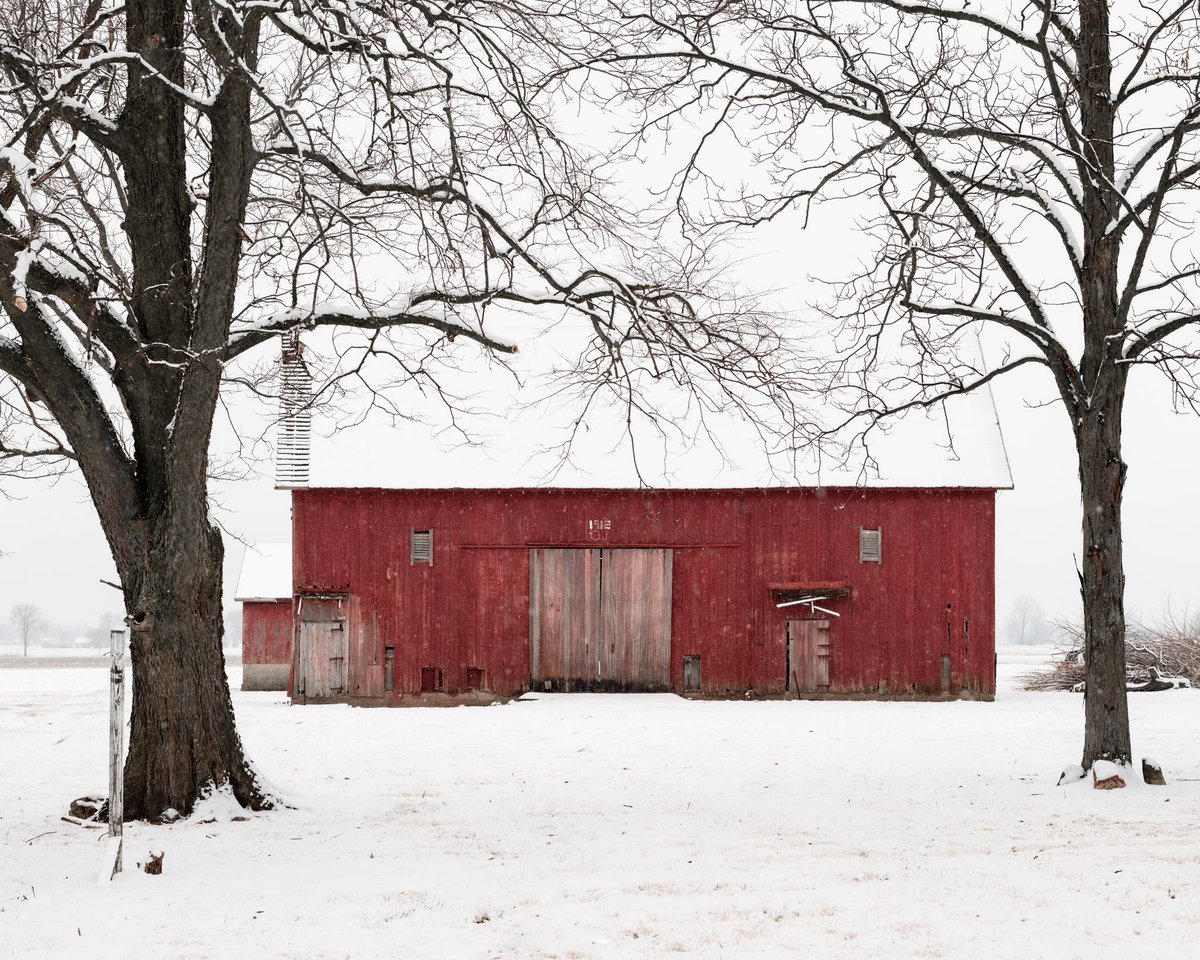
x,y
354,316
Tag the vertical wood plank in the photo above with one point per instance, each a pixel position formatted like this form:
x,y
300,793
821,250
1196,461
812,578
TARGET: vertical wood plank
x,y
635,612
808,655
323,659
564,586
535,621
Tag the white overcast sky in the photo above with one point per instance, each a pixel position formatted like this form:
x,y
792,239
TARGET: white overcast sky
x,y
55,556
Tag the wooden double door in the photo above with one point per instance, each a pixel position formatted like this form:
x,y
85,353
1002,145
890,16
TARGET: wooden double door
x,y
600,619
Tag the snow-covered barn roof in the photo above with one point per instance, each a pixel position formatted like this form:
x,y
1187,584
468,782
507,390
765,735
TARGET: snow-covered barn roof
x,y
958,445
266,573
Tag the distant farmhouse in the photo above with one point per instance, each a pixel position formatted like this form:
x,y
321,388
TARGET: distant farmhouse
x,y
478,582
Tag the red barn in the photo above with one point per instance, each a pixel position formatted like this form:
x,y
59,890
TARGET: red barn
x,y
879,584
264,590
402,594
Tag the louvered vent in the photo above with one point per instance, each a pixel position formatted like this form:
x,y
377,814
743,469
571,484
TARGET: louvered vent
x,y
422,546
870,546
295,415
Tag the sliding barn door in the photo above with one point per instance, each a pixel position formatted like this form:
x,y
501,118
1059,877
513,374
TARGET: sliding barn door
x,y
600,619
635,619
564,591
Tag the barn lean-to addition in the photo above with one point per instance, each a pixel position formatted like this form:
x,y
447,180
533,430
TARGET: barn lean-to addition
x,y
452,592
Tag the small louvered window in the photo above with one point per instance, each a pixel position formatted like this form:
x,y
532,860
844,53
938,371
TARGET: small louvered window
x,y
422,546
870,546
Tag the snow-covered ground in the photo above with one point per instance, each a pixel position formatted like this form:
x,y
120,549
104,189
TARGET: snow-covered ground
x,y
39,651
13,655
581,826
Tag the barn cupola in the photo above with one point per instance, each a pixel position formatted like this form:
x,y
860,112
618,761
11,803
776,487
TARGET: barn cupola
x,y
294,434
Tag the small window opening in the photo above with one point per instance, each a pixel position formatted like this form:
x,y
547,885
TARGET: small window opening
x,y
474,678
870,546
422,547
389,669
691,674
431,679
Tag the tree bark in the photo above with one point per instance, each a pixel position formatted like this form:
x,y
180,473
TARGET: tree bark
x,y
183,742
1098,410
1102,579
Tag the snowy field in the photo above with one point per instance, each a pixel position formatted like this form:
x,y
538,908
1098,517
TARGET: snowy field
x,y
581,826
13,655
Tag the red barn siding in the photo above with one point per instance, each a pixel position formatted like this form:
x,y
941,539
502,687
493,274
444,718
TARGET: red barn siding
x,y
267,631
266,644
469,611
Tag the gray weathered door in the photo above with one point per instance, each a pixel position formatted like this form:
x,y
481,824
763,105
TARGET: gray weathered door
x,y
600,619
808,656
321,659
635,619
563,598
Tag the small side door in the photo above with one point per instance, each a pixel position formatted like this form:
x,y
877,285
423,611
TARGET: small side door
x,y
808,656
322,651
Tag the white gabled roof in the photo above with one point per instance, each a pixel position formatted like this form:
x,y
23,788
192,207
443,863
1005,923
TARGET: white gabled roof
x,y
266,573
958,446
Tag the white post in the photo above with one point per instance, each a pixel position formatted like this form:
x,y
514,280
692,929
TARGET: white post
x,y
116,751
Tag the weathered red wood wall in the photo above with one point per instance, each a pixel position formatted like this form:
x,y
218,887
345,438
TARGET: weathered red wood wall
x,y
931,597
267,631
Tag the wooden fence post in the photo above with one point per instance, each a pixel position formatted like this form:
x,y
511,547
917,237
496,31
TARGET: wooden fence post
x,y
116,756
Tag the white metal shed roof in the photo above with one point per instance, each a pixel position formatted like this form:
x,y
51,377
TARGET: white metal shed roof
x,y
266,573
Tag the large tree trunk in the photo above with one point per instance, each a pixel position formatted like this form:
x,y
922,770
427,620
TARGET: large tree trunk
x,y
1102,482
182,740
1097,409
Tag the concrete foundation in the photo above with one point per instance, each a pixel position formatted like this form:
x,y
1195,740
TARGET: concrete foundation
x,y
265,676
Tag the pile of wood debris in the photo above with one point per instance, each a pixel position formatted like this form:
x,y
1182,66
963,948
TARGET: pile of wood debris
x,y
1163,655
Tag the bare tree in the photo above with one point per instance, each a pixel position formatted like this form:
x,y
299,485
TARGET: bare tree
x,y
183,180
1026,169
1027,622
30,447
100,634
27,618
